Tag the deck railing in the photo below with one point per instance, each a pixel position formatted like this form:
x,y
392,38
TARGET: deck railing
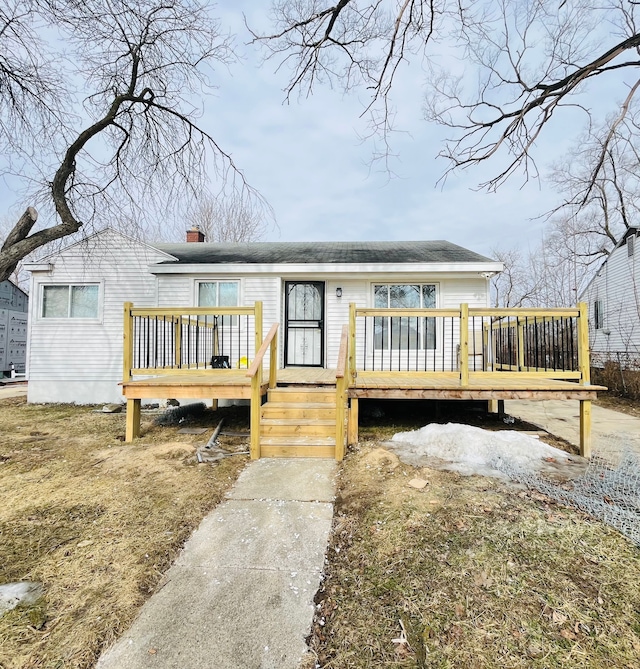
x,y
342,384
255,374
549,343
198,339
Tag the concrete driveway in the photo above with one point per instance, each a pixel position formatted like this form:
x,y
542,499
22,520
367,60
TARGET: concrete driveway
x,y
611,430
13,389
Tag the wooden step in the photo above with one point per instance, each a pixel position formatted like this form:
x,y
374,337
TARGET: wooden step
x,y
291,447
302,395
295,427
284,410
300,441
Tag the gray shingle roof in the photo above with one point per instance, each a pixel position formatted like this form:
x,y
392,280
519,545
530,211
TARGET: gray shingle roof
x,y
322,252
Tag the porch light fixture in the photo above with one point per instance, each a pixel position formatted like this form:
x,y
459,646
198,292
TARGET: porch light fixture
x,y
338,292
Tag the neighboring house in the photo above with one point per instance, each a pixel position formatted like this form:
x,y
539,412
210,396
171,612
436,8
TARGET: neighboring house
x,y
75,351
613,299
14,304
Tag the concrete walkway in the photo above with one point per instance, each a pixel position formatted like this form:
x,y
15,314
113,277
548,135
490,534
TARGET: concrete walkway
x,y
611,430
240,595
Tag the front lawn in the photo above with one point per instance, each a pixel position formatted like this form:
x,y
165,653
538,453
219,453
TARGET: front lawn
x,y
95,520
469,572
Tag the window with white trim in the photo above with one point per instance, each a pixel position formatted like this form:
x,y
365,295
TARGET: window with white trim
x,y
598,315
401,332
70,301
219,294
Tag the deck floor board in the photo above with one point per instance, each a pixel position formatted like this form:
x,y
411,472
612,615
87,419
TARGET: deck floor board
x,y
235,384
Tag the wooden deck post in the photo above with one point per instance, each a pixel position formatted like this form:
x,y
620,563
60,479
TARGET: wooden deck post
x,y
585,379
132,430
258,324
464,344
256,403
256,383
585,428
352,343
273,363
127,343
352,428
340,416
583,344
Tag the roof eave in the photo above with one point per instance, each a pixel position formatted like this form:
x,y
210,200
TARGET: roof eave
x,y
327,268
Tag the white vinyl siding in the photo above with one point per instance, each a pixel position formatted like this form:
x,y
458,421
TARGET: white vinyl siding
x,y
80,359
614,326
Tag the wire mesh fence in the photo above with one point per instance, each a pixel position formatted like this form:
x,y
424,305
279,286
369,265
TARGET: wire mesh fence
x,y
609,490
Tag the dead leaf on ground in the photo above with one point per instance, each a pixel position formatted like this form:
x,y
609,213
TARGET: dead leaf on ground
x,y
559,617
483,580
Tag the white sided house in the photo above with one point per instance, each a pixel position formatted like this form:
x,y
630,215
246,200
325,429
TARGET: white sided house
x,y
613,298
75,345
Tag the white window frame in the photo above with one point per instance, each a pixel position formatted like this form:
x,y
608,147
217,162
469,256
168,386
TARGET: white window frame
x,y
218,280
70,284
421,348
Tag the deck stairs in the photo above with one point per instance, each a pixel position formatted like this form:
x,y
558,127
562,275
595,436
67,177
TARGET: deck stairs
x,y
299,421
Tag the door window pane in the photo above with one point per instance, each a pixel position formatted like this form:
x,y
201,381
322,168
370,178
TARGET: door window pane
x,y
305,302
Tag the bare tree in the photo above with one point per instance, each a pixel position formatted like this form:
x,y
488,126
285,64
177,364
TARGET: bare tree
x,y
517,285
129,146
601,189
230,219
511,66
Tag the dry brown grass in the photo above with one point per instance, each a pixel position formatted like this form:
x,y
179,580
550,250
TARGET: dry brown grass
x,y
97,521
479,573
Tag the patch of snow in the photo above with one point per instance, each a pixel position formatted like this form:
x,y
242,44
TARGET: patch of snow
x,y
471,450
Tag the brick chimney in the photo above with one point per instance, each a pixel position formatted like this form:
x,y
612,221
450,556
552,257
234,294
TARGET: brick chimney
x,y
195,234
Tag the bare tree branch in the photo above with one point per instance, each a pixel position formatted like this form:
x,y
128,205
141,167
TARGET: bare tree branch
x,y
135,145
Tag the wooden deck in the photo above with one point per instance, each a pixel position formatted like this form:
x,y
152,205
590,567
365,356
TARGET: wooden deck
x,y
431,354
233,384
480,386
220,383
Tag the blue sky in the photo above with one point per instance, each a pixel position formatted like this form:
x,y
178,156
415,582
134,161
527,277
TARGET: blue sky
x,y
307,159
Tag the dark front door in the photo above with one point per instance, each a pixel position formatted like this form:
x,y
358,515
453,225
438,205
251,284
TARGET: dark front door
x,y
304,324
